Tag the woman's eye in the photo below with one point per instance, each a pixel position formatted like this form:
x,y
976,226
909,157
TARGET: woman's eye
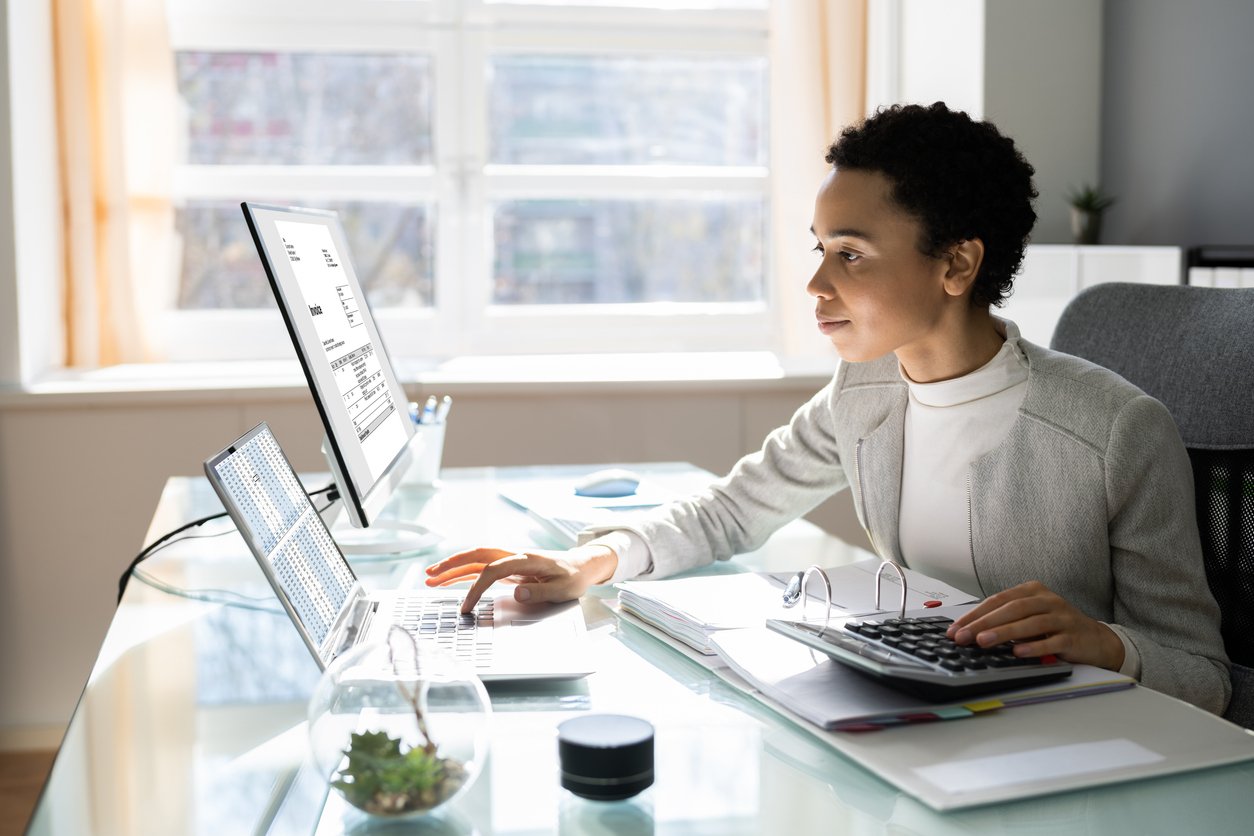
x,y
849,257
818,248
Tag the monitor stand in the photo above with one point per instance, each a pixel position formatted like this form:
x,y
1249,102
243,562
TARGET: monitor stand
x,y
384,538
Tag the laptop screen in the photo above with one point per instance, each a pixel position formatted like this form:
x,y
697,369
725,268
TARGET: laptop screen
x,y
269,505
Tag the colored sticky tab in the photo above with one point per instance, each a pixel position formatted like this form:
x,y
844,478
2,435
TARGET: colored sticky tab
x,y
984,705
955,713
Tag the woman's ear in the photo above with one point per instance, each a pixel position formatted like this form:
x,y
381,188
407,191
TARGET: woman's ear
x,y
965,259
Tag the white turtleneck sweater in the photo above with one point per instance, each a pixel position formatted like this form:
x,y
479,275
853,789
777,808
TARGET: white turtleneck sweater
x,y
950,424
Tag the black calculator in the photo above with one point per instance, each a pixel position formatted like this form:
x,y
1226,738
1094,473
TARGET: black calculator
x,y
912,653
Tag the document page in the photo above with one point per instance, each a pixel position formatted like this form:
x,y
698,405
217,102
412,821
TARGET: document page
x,y
354,364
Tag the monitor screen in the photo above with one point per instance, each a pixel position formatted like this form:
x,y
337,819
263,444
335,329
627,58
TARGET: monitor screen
x,y
362,404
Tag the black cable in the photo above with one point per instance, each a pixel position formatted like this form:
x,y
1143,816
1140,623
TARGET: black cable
x,y
156,545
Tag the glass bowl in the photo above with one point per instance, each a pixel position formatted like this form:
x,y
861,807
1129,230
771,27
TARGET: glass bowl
x,y
399,729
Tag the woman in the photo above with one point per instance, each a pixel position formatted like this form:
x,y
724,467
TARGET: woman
x,y
1049,485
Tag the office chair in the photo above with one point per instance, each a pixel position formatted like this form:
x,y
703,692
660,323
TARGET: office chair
x,y
1192,348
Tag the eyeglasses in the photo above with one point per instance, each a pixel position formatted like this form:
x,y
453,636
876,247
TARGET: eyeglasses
x,y
796,589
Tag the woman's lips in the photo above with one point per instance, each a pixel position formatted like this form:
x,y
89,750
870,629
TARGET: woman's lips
x,y
828,326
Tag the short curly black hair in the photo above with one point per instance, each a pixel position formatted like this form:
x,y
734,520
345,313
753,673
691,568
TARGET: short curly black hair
x,y
961,178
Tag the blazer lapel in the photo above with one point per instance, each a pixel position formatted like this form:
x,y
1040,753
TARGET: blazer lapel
x,y
880,470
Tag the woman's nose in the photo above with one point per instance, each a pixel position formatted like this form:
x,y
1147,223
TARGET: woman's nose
x,y
819,286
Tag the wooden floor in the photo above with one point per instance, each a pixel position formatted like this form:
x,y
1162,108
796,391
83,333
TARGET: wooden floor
x,y
22,775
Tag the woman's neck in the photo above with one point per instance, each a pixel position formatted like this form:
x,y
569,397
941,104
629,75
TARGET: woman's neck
x,y
957,347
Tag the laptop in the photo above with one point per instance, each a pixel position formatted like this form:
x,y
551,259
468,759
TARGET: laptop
x,y
502,640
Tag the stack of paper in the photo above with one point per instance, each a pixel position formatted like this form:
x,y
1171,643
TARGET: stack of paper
x,y
695,609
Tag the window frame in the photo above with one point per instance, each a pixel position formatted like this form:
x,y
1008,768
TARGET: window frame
x,y
463,185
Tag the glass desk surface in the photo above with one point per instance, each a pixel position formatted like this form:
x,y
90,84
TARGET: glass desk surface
x,y
192,720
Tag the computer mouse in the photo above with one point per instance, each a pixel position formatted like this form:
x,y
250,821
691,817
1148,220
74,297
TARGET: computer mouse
x,y
611,482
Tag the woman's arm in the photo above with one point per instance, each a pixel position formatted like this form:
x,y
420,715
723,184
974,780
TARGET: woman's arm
x,y
797,468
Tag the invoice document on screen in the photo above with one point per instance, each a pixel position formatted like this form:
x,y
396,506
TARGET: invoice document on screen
x,y
352,360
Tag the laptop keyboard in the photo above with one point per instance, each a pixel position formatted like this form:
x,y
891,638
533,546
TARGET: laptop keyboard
x,y
466,637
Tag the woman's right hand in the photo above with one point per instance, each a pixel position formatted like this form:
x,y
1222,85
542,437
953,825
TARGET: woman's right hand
x,y
541,575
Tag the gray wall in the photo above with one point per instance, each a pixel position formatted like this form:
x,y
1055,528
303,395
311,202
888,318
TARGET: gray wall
x,y
1178,121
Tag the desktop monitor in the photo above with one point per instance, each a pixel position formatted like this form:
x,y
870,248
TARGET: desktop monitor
x,y
363,407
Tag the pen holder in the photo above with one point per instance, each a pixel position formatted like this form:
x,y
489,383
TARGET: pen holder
x,y
426,450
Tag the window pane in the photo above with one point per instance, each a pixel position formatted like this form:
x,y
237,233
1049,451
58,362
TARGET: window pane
x,y
569,110
392,246
614,251
306,109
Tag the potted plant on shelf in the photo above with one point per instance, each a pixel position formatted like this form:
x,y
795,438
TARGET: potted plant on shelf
x,y
1087,205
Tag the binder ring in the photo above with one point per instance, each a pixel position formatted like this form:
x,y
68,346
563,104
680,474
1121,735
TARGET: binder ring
x,y
900,574
796,592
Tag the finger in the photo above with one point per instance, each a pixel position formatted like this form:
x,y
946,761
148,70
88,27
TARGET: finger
x,y
988,628
988,605
468,578
993,603
468,556
1024,629
455,573
517,564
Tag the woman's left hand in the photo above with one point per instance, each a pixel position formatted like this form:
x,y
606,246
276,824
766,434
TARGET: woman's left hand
x,y
1040,622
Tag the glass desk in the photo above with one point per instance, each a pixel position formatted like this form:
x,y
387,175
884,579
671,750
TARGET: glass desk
x,y
193,718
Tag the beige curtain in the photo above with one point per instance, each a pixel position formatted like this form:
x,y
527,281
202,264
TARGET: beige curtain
x,y
116,107
818,86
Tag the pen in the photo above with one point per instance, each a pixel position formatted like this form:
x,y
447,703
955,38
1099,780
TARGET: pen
x,y
428,411
441,411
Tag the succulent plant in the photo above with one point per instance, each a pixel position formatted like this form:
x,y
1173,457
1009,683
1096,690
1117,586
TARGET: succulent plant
x,y
1089,198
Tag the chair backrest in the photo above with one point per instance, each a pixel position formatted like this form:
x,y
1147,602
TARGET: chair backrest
x,y
1193,349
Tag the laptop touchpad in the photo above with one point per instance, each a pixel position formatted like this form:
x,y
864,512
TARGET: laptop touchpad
x,y
546,627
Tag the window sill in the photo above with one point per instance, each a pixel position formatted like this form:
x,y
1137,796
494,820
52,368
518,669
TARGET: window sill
x,y
534,375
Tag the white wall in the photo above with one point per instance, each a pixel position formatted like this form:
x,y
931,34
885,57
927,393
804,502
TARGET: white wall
x,y
1032,68
942,54
1177,123
80,476
1043,88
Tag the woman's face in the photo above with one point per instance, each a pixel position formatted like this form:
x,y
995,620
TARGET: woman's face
x,y
876,292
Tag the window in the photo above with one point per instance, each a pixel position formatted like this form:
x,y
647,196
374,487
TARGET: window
x,y
513,177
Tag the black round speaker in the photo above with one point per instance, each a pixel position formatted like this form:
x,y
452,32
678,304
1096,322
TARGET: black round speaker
x,y
605,757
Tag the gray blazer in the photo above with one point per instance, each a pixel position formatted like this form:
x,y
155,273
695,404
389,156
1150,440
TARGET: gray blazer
x,y
1091,494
